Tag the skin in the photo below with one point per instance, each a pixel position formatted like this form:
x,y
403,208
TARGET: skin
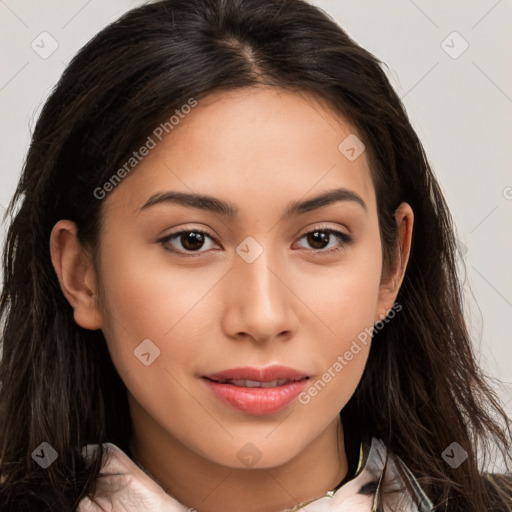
x,y
295,305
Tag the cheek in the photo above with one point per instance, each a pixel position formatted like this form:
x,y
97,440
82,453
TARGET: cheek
x,y
156,326
152,301
340,355
345,299
174,307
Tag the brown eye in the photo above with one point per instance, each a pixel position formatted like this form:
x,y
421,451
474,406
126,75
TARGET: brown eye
x,y
188,241
326,240
192,240
318,239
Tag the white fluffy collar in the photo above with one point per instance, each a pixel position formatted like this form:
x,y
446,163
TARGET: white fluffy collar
x,y
124,487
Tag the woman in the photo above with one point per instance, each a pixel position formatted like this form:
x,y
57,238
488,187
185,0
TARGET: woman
x,y
230,283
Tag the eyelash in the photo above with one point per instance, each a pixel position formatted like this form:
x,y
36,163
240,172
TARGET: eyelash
x,y
343,237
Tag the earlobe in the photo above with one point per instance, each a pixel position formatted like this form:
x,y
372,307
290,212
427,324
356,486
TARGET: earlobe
x,y
76,274
404,218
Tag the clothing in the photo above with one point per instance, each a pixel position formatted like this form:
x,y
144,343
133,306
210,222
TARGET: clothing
x,y
123,486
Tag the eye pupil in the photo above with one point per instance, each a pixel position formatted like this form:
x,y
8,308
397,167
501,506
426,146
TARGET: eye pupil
x,y
192,240
318,237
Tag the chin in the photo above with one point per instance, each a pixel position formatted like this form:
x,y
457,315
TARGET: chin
x,y
247,454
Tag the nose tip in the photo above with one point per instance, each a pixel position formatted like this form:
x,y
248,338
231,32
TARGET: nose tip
x,y
259,302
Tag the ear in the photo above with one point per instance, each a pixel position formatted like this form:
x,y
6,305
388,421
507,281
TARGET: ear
x,y
389,288
76,274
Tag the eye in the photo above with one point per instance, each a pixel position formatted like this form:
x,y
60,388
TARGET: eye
x,y
188,241
327,240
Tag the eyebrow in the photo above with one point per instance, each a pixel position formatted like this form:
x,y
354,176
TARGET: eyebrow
x,y
218,206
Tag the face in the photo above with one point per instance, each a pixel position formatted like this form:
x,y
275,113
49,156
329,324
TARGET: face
x,y
261,273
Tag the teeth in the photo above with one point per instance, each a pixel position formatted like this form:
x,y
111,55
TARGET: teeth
x,y
257,384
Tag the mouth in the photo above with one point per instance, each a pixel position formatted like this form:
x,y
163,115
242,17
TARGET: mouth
x,y
241,383
276,374
257,391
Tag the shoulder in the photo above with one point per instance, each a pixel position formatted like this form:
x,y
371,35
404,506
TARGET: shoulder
x,y
377,485
397,486
123,485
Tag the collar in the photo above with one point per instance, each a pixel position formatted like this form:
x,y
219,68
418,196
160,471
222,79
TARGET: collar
x,y
123,486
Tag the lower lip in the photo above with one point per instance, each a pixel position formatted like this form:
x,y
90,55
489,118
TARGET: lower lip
x,y
257,401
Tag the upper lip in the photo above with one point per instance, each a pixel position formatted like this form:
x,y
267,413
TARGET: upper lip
x,y
267,374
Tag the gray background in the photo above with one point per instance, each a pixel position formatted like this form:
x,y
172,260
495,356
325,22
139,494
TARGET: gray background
x,y
459,101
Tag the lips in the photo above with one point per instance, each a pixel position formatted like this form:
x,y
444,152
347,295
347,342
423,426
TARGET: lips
x,y
257,391
269,374
255,383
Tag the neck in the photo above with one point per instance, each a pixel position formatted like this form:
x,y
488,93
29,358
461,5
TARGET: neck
x,y
209,487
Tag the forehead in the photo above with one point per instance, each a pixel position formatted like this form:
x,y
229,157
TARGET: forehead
x,y
252,145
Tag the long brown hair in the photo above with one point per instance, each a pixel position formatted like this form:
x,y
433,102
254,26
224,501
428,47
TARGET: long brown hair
x,y
421,389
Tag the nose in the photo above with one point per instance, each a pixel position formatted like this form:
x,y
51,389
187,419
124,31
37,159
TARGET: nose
x,y
259,302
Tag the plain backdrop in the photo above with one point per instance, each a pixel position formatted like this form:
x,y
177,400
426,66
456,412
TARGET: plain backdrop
x,y
450,62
